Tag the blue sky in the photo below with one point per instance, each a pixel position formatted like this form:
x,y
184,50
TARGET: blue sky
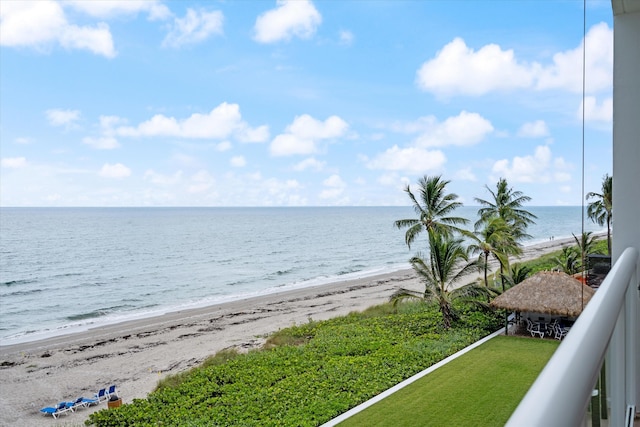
x,y
299,103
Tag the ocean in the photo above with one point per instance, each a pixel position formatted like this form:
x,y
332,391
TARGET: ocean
x,y
64,270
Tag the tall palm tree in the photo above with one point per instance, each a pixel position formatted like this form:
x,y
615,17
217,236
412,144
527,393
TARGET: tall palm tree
x,y
493,239
447,264
507,204
599,211
434,207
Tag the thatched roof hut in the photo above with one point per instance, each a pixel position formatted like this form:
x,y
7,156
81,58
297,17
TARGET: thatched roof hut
x,y
546,292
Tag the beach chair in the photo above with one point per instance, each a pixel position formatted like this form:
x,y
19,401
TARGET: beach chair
x,y
83,402
560,332
49,410
89,402
101,395
111,391
62,408
78,403
534,328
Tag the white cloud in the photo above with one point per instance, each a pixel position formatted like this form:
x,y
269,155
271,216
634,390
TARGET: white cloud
x,y
184,160
220,123
334,187
195,27
411,160
58,117
346,38
334,181
460,70
200,182
238,162
540,167
13,162
537,129
39,24
309,163
288,144
111,8
465,175
30,23
223,146
290,18
303,134
160,179
117,171
566,70
594,112
23,140
259,134
107,123
462,130
98,40
102,143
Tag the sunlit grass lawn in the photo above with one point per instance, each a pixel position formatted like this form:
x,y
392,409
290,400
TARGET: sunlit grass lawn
x,y
480,388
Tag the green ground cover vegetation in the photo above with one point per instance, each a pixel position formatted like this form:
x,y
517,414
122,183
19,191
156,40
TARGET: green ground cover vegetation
x,y
334,366
480,388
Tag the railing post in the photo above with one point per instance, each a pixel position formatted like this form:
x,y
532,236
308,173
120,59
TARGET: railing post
x,y
631,342
617,381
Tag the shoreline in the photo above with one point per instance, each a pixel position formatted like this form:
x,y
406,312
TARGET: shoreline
x,y
135,354
100,323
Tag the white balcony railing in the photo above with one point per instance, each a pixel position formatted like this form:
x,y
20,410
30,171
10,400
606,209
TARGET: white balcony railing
x,y
561,394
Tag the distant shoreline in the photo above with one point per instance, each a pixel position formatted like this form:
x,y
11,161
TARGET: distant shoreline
x,y
132,318
529,252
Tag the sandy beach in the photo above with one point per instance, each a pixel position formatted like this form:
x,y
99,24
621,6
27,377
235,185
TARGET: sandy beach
x,y
135,355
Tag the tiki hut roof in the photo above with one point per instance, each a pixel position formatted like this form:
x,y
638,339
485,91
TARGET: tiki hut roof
x,y
546,292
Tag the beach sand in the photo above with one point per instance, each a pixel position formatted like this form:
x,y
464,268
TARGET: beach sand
x,y
134,355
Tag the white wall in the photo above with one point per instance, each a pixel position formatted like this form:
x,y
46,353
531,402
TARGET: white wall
x,y
626,170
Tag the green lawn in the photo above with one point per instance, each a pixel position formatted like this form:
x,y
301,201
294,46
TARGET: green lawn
x,y
480,388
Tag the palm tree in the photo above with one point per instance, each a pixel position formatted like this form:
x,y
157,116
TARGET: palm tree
x,y
585,246
493,239
517,273
568,261
434,207
506,204
599,211
440,272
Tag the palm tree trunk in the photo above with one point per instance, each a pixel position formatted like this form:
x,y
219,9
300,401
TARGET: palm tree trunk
x,y
486,280
486,266
506,315
446,314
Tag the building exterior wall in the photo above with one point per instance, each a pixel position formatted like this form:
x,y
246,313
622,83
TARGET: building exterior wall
x,y
626,177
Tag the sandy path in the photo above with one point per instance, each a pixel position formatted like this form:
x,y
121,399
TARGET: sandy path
x,y
135,355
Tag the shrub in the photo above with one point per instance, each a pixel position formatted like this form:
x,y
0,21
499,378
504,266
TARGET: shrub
x,y
335,365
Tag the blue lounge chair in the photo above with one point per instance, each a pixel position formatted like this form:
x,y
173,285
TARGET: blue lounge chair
x,y
49,410
89,402
83,402
112,391
78,403
62,408
101,395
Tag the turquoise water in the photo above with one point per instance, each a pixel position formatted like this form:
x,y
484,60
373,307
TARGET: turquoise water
x,y
66,269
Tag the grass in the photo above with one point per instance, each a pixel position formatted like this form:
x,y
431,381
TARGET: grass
x,y
480,388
